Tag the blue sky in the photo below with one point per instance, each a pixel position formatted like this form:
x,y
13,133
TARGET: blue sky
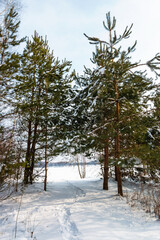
x,y
65,21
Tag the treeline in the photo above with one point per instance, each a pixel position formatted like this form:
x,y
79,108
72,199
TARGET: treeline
x,y
47,109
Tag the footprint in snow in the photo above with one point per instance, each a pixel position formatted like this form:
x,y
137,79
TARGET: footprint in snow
x,y
68,228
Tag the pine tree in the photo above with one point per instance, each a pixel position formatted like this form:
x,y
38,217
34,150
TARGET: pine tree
x,y
9,60
40,92
9,65
124,89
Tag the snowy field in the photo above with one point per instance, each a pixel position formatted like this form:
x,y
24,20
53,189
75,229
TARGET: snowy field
x,y
74,209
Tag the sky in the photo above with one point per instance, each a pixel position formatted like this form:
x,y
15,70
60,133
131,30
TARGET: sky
x,y
65,21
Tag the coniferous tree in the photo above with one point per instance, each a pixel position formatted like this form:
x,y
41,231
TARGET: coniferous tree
x,y
40,91
9,60
124,90
9,65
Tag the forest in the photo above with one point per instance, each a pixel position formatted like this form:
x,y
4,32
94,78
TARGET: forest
x,y
47,109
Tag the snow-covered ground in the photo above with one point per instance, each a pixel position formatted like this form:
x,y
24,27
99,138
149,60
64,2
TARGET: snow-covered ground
x,y
74,209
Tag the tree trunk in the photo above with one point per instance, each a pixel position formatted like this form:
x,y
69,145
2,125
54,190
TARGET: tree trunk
x,y
45,178
27,164
106,165
117,143
119,181
117,154
116,178
33,149
28,153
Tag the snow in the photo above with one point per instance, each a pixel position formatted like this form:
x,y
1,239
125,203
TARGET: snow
x,y
74,209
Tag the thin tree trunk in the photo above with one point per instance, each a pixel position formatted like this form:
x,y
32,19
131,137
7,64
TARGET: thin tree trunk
x,y
46,163
106,165
117,153
28,153
117,144
18,170
119,181
27,164
79,170
116,173
33,149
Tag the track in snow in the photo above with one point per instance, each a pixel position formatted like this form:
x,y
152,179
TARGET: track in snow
x,y
75,210
68,228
